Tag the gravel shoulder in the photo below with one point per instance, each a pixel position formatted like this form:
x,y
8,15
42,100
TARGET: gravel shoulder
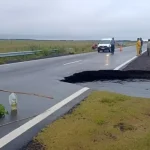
x,y
141,63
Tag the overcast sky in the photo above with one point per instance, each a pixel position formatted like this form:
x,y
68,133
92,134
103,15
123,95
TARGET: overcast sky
x,y
75,19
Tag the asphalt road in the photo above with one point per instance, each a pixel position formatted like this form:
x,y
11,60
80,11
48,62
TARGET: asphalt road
x,y
42,77
134,88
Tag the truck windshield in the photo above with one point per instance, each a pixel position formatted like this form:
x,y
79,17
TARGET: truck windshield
x,y
104,42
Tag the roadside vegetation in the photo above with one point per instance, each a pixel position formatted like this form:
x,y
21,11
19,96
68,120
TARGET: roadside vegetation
x,y
49,48
103,121
27,45
3,111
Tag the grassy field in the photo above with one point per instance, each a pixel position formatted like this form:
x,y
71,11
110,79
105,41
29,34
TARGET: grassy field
x,y
63,47
104,121
23,45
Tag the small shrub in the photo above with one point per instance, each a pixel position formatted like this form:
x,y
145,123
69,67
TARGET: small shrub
x,y
3,111
112,100
2,61
60,50
100,122
45,53
33,47
107,100
70,51
36,53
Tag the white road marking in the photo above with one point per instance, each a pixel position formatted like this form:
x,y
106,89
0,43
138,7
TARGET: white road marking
x,y
107,59
128,61
17,132
73,62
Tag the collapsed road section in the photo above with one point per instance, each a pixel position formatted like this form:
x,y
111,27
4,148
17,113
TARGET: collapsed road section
x,y
138,69
133,80
103,75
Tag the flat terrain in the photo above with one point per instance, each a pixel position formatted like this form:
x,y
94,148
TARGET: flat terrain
x,y
43,77
23,45
49,48
104,121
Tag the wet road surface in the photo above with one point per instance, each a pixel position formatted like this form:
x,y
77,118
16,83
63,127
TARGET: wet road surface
x,y
135,88
42,77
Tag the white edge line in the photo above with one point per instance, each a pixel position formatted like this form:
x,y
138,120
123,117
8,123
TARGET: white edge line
x,y
23,128
128,61
73,62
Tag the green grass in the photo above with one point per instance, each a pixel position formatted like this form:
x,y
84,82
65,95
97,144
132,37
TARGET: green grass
x,y
23,45
97,125
63,47
3,111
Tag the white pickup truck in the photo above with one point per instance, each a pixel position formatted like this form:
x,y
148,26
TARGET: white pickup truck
x,y
104,45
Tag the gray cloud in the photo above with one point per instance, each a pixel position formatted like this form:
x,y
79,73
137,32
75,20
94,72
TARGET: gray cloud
x,y
75,19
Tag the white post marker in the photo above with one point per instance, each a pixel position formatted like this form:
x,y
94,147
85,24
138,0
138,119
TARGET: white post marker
x,y
13,101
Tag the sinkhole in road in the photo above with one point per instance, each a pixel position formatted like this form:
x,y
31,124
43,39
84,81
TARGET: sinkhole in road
x,y
105,75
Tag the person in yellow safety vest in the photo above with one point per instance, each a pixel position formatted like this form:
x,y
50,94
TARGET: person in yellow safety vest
x,y
138,46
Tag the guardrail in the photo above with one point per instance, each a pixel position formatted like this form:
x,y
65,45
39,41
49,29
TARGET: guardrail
x,y
22,53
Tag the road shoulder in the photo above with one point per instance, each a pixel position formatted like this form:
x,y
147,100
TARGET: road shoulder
x,y
109,120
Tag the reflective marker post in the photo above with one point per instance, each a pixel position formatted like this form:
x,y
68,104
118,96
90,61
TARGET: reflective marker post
x,y
107,59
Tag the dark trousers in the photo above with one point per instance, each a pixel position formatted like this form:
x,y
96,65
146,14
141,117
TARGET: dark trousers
x,y
112,49
148,51
141,50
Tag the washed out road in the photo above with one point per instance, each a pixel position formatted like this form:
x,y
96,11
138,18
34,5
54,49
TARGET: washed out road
x,y
43,77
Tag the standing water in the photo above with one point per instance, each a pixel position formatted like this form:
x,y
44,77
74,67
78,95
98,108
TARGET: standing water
x,y
137,88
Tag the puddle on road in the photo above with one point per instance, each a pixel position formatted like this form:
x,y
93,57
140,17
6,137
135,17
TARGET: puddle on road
x,y
138,88
132,83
